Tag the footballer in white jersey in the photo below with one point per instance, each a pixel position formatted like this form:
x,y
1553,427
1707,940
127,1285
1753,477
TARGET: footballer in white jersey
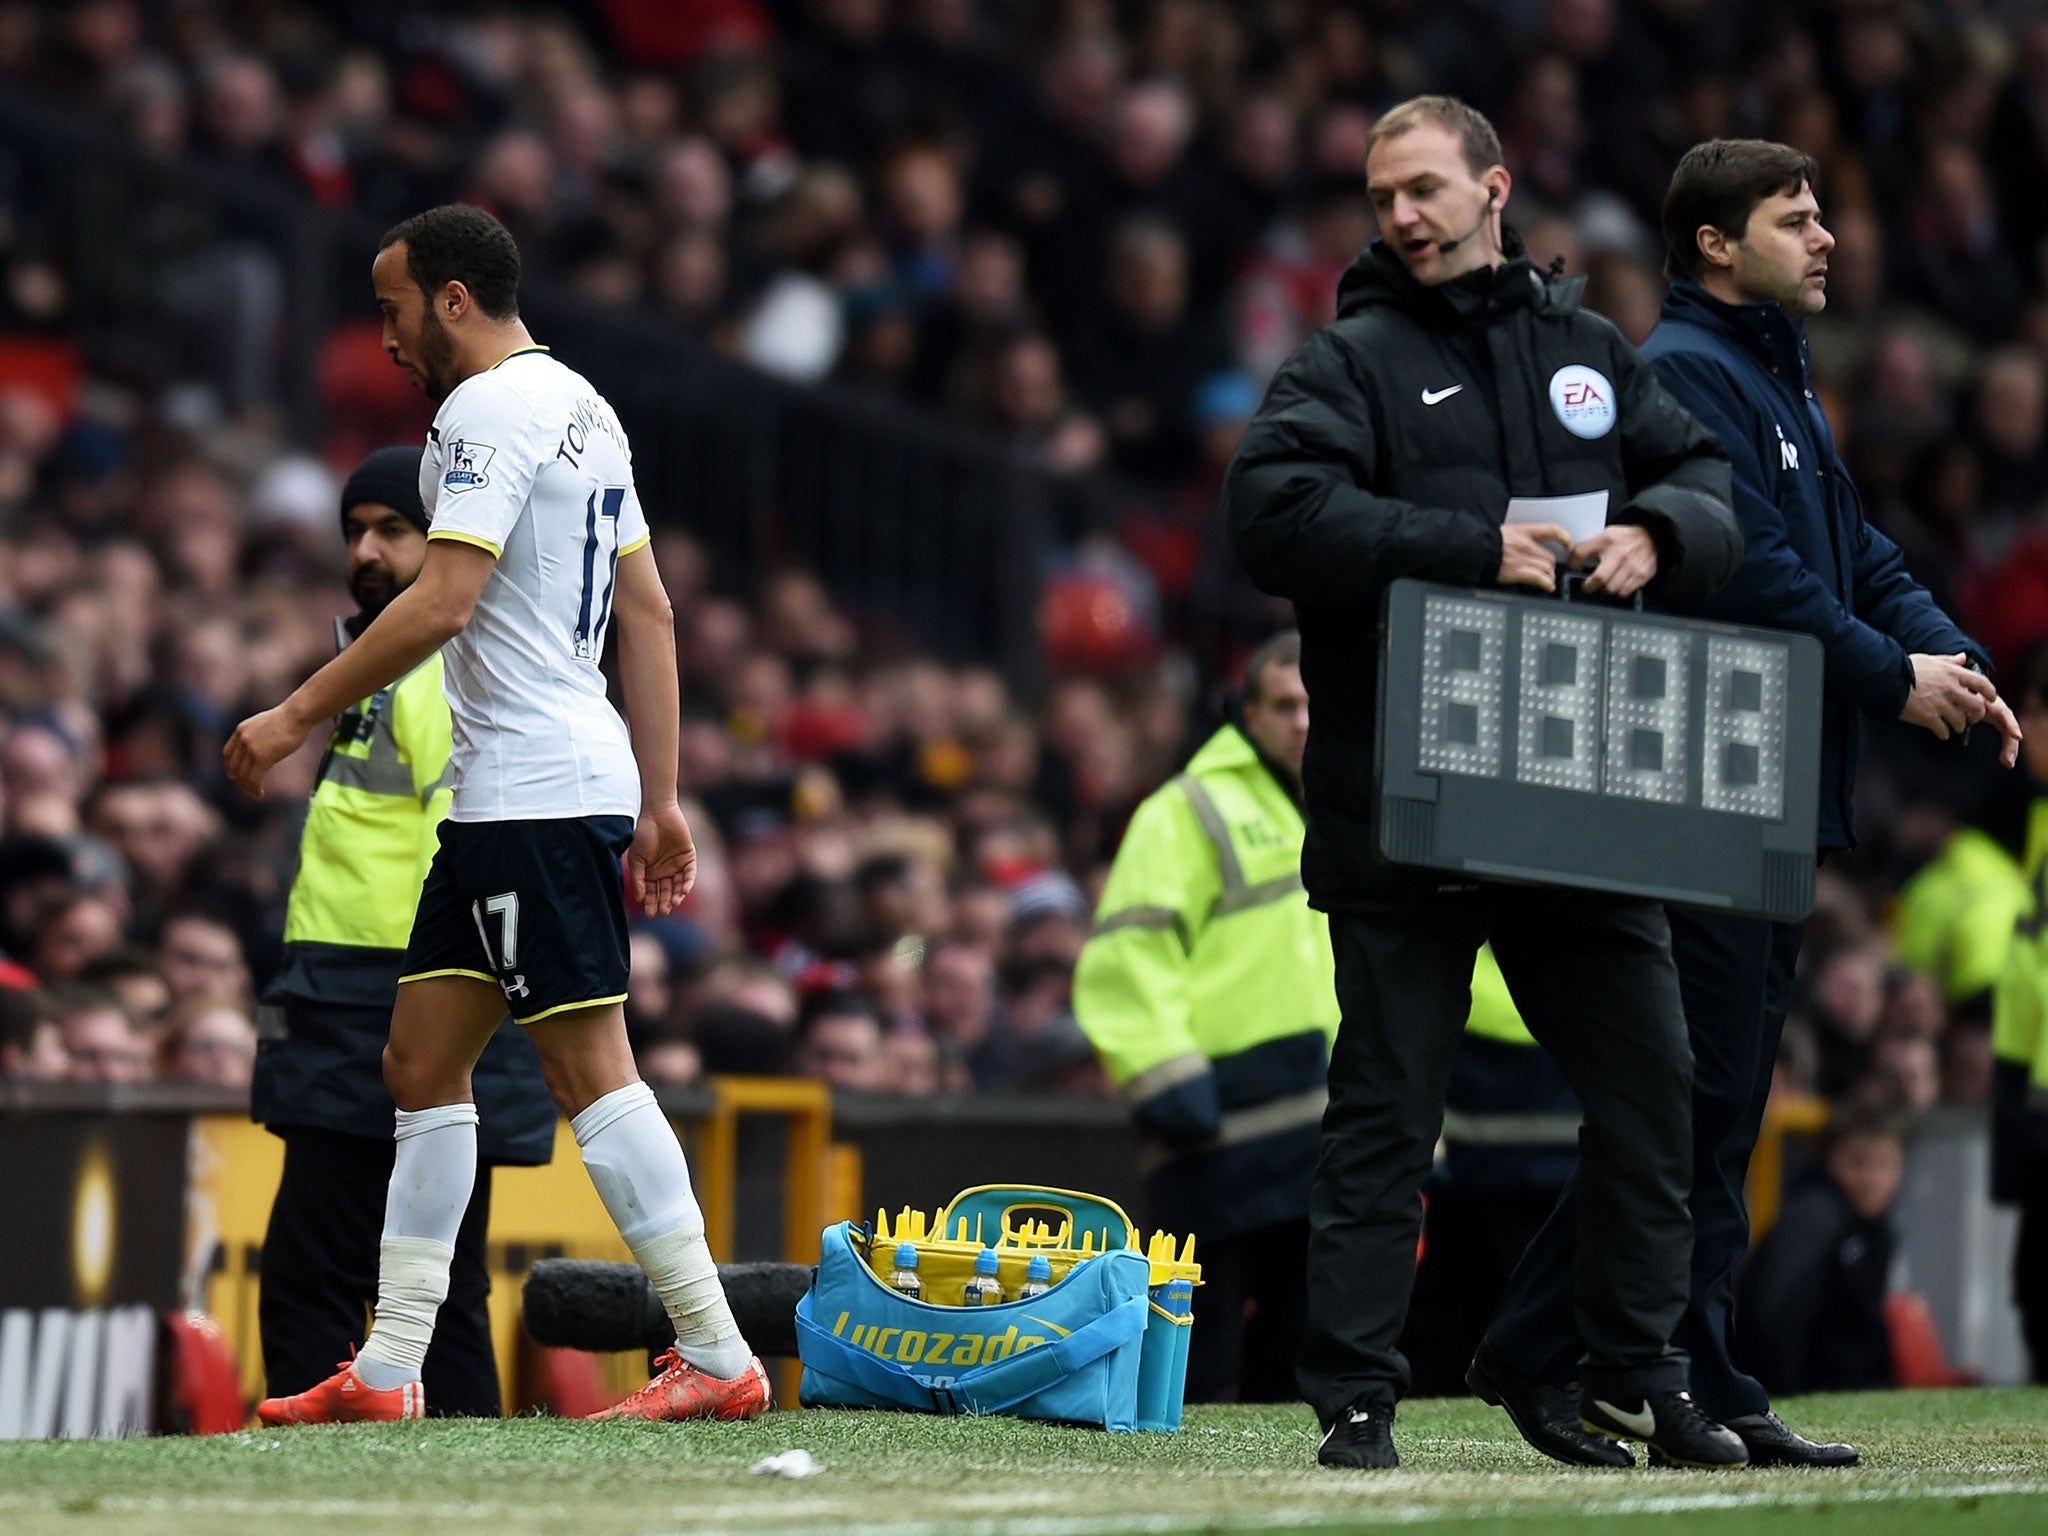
x,y
536,547
528,461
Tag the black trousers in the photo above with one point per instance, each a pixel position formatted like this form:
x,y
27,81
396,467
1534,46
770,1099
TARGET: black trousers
x,y
1471,1240
320,1275
1249,1359
2029,1279
1735,975
1593,978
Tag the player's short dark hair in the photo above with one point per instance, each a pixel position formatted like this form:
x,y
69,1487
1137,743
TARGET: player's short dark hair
x,y
461,243
1476,135
1718,184
1281,650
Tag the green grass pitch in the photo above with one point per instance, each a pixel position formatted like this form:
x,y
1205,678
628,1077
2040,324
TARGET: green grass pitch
x,y
1973,1463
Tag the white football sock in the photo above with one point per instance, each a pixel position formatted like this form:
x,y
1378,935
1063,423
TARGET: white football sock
x,y
641,1175
431,1182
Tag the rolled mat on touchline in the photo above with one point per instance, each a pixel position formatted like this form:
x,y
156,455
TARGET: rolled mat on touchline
x,y
595,1305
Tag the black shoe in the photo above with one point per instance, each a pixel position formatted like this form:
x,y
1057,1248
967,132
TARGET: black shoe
x,y
1362,1438
1673,1427
1772,1444
1546,1417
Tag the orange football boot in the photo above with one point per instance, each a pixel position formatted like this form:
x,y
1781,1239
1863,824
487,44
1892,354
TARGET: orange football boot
x,y
682,1391
343,1399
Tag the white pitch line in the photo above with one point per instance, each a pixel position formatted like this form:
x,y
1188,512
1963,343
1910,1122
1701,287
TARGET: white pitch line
x,y
738,1523
1390,1514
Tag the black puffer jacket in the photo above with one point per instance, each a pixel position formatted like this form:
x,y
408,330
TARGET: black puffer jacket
x,y
1388,446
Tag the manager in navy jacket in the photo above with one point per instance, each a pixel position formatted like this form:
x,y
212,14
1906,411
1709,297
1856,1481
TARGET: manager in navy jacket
x,y
1746,247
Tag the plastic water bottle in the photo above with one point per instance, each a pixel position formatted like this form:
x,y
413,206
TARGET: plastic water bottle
x,y
1037,1277
983,1288
904,1282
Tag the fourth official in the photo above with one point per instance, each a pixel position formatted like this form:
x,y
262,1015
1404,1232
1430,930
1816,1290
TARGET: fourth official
x,y
1456,378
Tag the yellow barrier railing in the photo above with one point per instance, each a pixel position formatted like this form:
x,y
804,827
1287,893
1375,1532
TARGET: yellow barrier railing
x,y
806,1110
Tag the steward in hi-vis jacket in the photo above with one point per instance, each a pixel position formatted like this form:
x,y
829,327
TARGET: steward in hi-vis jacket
x,y
1206,989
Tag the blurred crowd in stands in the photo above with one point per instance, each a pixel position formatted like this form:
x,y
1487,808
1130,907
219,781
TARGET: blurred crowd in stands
x,y
1091,228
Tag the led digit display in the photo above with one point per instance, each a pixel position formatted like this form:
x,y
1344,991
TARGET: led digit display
x,y
1649,679
1462,648
1589,746
1558,742
1742,766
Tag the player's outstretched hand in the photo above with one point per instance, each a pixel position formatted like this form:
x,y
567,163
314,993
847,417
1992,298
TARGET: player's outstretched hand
x,y
662,861
259,744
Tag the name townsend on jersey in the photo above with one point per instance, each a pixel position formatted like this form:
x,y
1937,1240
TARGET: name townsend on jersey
x,y
589,416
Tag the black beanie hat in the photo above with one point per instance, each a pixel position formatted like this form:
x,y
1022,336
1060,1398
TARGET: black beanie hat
x,y
391,478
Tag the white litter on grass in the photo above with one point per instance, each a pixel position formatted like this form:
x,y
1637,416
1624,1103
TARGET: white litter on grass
x,y
795,1463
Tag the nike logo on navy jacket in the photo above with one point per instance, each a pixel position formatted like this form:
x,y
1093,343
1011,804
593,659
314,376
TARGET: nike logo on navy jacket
x,y
1389,445
1811,561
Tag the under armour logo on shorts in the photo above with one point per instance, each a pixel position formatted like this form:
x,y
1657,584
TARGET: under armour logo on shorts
x,y
516,987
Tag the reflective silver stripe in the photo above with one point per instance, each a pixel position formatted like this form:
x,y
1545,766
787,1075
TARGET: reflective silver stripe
x,y
433,789
1237,895
1277,889
1241,1126
384,771
370,775
1275,1115
1219,832
1170,1073
1510,1130
1143,917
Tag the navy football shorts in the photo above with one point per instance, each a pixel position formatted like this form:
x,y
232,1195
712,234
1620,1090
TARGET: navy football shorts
x,y
537,908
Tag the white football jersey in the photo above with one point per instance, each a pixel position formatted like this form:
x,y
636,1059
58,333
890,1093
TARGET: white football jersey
x,y
528,461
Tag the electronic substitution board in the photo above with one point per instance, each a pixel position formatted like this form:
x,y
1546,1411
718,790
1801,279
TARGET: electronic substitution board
x,y
1587,744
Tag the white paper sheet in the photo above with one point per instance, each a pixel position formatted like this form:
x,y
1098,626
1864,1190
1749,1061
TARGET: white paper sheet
x,y
1583,515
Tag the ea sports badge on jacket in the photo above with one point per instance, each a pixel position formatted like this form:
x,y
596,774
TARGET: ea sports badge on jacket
x,y
1583,399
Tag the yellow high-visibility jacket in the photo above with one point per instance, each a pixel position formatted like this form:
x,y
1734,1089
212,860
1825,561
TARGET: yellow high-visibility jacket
x,y
375,818
1208,990
2019,1045
1954,919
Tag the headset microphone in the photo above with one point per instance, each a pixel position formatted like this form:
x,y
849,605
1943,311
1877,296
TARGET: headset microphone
x,y
1445,247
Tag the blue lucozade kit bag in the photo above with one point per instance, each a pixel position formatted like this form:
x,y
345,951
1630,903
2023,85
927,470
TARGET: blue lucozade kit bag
x,y
1105,1343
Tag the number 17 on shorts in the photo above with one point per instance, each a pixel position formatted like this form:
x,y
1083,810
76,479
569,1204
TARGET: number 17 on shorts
x,y
536,908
